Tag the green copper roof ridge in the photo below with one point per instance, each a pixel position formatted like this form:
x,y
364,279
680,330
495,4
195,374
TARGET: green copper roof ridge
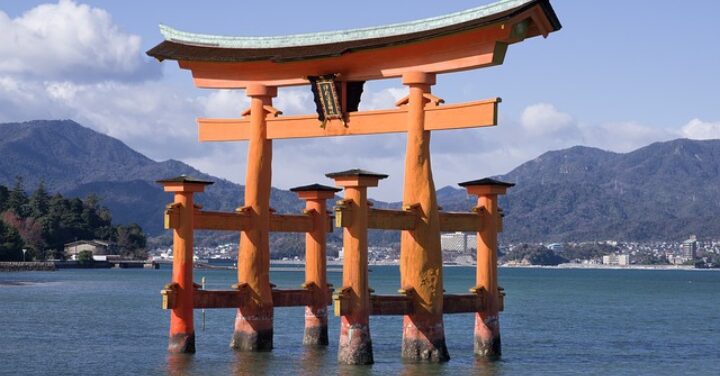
x,y
328,37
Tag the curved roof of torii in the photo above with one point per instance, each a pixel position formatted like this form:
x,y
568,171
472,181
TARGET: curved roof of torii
x,y
184,46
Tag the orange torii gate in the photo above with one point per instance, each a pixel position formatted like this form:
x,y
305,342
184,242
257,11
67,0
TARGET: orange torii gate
x,y
336,65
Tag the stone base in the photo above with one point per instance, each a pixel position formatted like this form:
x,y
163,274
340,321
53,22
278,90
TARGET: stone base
x,y
487,336
355,345
183,343
253,333
424,342
316,327
489,349
316,336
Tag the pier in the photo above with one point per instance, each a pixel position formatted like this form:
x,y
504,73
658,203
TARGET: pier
x,y
336,67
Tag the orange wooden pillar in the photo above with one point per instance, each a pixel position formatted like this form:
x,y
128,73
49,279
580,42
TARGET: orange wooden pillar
x,y
254,321
316,319
353,299
420,253
182,332
487,323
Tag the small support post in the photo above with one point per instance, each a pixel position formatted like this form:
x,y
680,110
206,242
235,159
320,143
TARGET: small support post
x,y
316,320
182,331
420,251
254,320
487,323
353,304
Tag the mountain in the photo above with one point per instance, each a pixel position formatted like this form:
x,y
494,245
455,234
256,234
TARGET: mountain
x,y
76,161
664,191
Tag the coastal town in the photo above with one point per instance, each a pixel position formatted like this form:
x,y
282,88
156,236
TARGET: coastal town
x,y
459,249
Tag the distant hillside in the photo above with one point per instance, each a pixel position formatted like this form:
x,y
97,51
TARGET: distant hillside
x,y
664,191
76,161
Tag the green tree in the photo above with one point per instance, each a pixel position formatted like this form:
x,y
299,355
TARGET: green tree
x,y
17,199
39,201
85,257
11,243
131,240
4,193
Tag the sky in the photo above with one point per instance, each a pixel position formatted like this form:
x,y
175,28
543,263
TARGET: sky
x,y
618,76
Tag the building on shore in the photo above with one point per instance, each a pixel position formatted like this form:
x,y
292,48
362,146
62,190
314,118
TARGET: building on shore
x,y
688,248
620,260
101,250
458,242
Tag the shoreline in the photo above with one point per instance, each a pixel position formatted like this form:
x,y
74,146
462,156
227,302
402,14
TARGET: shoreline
x,y
608,267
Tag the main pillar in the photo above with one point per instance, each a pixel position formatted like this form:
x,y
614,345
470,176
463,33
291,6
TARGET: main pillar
x,y
487,321
182,331
316,319
254,321
420,252
355,345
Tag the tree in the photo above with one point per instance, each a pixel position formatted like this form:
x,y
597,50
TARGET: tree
x,y
131,240
39,201
30,231
4,193
11,243
85,257
17,199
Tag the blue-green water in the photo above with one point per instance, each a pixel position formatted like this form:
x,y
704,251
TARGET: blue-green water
x,y
602,322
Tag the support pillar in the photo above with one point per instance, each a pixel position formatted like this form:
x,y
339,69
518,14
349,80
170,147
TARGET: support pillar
x,y
487,322
420,251
254,320
316,319
182,331
355,344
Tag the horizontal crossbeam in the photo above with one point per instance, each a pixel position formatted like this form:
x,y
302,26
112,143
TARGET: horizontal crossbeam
x,y
208,299
392,219
291,223
454,116
243,220
390,305
470,222
220,221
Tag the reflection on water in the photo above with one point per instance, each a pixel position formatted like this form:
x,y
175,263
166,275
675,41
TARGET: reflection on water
x,y
179,364
251,363
555,322
314,358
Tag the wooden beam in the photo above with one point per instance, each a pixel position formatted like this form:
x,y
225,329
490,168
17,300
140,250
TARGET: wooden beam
x,y
467,222
292,298
463,303
390,305
456,116
209,299
392,219
291,223
221,221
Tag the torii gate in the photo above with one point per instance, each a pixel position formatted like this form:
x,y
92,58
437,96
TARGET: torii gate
x,y
337,64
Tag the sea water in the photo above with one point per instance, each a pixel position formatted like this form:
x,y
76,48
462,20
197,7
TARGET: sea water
x,y
556,322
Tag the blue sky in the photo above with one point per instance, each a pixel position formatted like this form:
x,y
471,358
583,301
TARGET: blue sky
x,y
619,75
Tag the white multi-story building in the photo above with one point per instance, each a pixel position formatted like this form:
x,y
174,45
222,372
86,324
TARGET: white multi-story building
x,y
458,241
621,260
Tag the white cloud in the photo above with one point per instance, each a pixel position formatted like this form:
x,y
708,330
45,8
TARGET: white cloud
x,y
701,130
385,98
68,60
70,41
544,118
